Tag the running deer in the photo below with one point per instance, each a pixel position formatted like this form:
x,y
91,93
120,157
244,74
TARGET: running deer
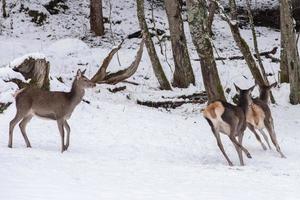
x,y
50,105
231,120
259,117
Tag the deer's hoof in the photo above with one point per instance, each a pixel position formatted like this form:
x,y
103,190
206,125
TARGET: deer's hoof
x,y
283,156
249,155
9,146
230,164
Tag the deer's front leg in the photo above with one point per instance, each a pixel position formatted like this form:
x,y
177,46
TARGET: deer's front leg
x,y
68,129
60,124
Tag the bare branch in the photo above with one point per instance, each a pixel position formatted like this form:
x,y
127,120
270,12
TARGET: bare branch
x,y
121,75
113,78
101,73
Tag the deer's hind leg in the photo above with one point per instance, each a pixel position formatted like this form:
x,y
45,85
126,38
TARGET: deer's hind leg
x,y
239,150
22,126
68,129
219,142
270,127
251,127
265,137
232,135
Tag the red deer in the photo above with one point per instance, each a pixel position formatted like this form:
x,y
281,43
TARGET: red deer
x,y
230,120
57,106
259,117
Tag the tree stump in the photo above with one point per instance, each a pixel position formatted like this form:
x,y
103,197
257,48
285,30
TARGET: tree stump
x,y
35,69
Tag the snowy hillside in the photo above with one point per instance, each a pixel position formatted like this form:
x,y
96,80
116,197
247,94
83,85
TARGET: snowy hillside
x,y
120,150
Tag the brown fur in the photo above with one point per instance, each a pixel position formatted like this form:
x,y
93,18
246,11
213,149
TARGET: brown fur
x,y
57,106
18,92
214,110
256,116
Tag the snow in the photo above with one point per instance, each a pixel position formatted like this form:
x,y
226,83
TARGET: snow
x,y
261,4
120,150
18,61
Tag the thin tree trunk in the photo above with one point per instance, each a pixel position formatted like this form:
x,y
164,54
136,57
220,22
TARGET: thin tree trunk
x,y
157,68
198,22
213,6
241,43
96,17
293,60
255,43
284,68
4,8
262,69
183,74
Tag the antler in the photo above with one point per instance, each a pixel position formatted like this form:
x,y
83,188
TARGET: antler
x,y
113,78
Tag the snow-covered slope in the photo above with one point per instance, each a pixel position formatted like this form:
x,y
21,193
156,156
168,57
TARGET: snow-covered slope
x,y
120,150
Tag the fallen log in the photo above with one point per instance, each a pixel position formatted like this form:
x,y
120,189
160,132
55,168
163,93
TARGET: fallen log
x,y
169,104
117,89
266,54
191,97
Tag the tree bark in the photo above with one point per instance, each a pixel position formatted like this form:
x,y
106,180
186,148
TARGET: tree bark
x,y
213,6
293,60
4,8
37,70
198,22
96,17
183,74
284,68
242,44
157,68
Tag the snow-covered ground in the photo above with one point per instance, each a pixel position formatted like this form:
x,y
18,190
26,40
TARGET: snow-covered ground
x,y
120,150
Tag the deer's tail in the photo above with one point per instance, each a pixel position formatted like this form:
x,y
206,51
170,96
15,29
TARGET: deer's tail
x,y
214,110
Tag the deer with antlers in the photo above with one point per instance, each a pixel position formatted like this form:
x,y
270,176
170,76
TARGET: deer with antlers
x,y
231,120
259,116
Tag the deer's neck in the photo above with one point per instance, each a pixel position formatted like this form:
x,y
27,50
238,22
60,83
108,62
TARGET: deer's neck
x,y
244,103
264,96
76,94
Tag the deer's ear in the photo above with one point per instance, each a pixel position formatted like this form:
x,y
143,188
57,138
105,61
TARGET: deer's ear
x,y
252,88
79,73
83,72
237,88
273,85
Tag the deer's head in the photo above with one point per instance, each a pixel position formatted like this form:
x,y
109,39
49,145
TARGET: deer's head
x,y
244,95
83,81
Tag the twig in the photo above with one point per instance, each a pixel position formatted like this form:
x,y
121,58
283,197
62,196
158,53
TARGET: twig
x,y
112,33
213,45
154,27
166,57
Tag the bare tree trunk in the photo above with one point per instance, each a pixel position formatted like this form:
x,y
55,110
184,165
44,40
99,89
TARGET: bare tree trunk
x,y
96,17
255,43
262,69
157,68
183,74
213,6
4,8
198,22
293,60
284,68
241,43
